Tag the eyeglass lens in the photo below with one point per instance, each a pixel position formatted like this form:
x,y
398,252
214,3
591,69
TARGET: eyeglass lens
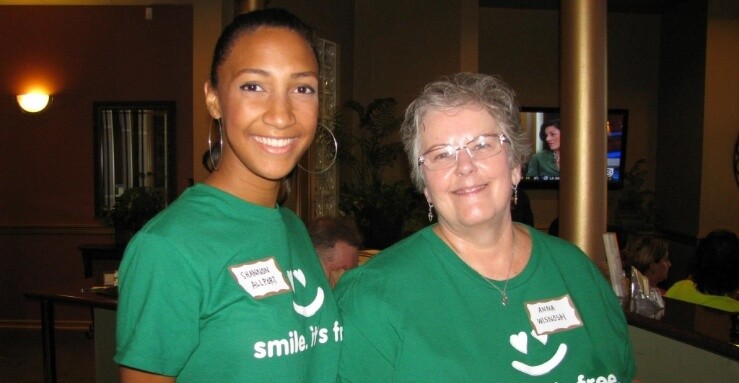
x,y
479,148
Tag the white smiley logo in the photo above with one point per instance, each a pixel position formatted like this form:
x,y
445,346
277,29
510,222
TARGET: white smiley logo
x,y
520,342
313,307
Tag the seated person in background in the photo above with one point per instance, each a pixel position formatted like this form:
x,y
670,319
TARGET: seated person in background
x,y
714,279
545,163
649,255
337,243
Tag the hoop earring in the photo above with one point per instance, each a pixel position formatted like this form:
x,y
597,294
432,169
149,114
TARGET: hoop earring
x,y
214,155
515,194
336,151
431,212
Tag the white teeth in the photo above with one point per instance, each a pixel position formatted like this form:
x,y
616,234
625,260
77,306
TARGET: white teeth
x,y
276,142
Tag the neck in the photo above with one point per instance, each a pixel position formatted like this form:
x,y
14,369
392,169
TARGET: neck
x,y
250,188
490,255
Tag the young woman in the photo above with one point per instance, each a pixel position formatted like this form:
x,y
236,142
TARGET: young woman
x,y
225,285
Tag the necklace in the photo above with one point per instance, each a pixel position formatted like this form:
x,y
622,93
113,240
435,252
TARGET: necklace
x,y
503,294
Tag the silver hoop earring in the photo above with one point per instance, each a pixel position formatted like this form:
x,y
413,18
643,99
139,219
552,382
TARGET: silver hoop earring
x,y
214,154
515,194
431,212
321,139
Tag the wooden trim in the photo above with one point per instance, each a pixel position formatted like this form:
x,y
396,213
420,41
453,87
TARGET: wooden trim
x,y
77,325
53,230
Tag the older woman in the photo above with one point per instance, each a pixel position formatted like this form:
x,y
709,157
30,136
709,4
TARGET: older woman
x,y
477,297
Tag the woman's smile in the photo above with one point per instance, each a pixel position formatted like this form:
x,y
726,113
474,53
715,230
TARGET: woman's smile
x,y
469,190
275,145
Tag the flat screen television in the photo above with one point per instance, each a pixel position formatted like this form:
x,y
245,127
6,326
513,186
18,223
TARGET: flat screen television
x,y
542,171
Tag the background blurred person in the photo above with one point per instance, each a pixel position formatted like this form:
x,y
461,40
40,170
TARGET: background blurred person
x,y
650,255
714,279
337,243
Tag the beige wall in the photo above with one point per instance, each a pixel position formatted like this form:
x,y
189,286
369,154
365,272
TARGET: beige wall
x,y
719,199
402,45
660,359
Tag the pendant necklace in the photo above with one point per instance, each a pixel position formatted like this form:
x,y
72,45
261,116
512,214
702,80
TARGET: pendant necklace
x,y
504,295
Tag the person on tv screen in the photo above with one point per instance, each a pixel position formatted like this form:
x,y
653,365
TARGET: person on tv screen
x,y
476,297
545,164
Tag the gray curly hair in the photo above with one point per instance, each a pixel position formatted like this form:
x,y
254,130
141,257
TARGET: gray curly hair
x,y
457,91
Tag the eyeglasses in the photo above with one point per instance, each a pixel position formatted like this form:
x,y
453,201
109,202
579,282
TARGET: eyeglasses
x,y
445,156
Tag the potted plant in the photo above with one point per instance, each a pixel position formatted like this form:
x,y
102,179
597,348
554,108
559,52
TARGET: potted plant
x,y
132,209
635,209
381,209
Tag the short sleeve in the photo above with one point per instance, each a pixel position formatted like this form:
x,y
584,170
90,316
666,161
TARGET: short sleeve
x,y
159,304
371,338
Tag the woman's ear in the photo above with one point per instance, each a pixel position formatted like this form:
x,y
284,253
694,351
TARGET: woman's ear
x,y
211,100
516,175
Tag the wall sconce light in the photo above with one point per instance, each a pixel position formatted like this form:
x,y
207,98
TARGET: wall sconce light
x,y
33,102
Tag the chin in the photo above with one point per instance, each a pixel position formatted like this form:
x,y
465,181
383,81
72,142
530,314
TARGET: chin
x,y
475,219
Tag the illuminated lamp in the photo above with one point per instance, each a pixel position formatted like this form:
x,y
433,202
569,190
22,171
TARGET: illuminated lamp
x,y
33,102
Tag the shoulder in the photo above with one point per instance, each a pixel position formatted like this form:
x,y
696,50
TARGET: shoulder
x,y
387,270
403,255
291,220
568,259
679,287
542,155
554,246
193,204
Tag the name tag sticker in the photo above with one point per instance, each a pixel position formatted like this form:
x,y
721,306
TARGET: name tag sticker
x,y
553,315
261,278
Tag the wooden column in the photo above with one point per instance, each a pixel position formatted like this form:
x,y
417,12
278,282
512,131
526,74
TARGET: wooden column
x,y
250,5
584,112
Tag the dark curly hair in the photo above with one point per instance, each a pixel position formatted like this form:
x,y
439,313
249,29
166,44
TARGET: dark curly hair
x,y
543,128
716,263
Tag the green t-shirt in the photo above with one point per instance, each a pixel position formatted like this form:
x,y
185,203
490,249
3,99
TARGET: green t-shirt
x,y
685,290
417,313
215,289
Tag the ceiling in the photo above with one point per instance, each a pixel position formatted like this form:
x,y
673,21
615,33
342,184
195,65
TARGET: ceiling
x,y
615,6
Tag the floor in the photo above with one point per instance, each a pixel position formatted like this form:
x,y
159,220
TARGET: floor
x,y
21,356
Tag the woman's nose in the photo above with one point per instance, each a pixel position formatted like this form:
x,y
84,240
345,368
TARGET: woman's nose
x,y
465,162
279,112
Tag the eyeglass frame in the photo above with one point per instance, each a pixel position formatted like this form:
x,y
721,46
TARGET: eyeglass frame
x,y
501,137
